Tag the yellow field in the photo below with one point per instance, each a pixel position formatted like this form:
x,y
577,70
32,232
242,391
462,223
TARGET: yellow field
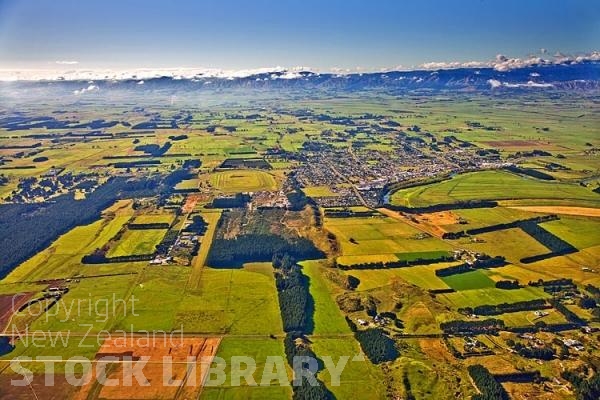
x,y
584,211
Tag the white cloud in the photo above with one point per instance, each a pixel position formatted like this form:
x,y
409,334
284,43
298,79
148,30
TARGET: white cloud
x,y
503,63
90,88
500,63
494,83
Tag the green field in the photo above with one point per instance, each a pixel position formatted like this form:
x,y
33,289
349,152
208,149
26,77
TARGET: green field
x,y
581,232
237,301
318,191
158,218
137,242
380,236
243,181
513,244
420,275
468,281
258,349
492,296
490,185
359,378
480,217
93,303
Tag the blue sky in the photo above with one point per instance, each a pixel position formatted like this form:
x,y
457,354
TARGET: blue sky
x,y
322,34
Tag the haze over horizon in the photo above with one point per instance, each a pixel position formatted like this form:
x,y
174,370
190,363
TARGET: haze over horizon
x,y
336,36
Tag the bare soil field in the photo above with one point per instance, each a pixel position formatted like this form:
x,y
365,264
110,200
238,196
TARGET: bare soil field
x,y
525,144
9,304
187,375
37,390
435,221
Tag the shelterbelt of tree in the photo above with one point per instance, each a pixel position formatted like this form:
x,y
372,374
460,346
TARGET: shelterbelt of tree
x,y
26,229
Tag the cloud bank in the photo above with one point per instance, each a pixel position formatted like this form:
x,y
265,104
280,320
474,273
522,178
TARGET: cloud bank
x,y
503,63
500,63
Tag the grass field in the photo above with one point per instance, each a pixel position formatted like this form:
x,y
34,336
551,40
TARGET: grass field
x,y
420,275
258,350
327,317
318,191
236,301
380,236
158,218
212,219
479,217
581,232
243,181
138,241
359,378
95,303
525,318
188,184
513,244
489,185
477,297
468,281
158,296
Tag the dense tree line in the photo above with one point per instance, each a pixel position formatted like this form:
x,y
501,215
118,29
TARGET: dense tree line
x,y
136,164
539,353
549,240
100,258
167,241
395,264
531,172
153,225
257,248
237,201
555,285
295,302
593,290
489,388
568,314
472,327
349,213
557,246
377,346
26,229
498,309
178,137
153,150
585,388
297,308
521,377
198,225
453,270
297,199
511,225
484,262
507,284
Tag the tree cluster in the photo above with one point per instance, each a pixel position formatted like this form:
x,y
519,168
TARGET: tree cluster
x,y
258,248
488,386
